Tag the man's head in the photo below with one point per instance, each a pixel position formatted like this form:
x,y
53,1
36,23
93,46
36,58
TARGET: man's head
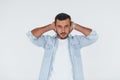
x,y
63,25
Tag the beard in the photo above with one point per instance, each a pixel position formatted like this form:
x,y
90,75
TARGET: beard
x,y
62,35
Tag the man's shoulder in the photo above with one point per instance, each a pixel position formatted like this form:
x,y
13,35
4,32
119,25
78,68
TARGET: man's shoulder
x,y
50,37
74,36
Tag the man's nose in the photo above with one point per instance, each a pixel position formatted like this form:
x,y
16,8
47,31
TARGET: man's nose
x,y
63,29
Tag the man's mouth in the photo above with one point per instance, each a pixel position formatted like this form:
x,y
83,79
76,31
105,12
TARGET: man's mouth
x,y
63,34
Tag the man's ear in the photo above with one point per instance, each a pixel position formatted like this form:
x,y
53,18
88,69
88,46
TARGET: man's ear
x,y
71,28
55,26
71,23
55,29
55,23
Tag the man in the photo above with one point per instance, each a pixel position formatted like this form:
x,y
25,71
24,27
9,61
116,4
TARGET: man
x,y
62,59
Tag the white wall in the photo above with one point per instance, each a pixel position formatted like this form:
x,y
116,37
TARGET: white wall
x,y
21,60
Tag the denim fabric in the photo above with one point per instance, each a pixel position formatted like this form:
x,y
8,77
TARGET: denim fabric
x,y
49,43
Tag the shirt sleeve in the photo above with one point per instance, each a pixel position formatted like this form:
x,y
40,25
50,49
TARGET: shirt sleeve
x,y
87,40
40,42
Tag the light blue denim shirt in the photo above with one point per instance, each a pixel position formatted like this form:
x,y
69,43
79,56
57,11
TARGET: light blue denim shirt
x,y
49,43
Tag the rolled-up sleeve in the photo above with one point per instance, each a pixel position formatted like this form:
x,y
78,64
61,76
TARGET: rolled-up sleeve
x,y
37,41
87,40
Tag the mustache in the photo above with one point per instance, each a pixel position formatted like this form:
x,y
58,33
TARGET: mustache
x,y
63,33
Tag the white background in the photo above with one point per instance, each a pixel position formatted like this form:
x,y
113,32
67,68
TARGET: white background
x,y
21,60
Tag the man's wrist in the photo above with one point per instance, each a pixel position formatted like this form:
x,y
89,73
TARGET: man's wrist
x,y
50,26
73,25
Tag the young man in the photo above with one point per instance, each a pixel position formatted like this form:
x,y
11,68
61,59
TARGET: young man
x,y
62,59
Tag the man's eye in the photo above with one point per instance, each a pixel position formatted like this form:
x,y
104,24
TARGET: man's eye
x,y
59,26
66,26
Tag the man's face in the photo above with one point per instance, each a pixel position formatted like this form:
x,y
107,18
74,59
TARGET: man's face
x,y
63,28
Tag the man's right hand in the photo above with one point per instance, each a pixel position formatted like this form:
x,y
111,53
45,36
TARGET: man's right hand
x,y
37,32
52,26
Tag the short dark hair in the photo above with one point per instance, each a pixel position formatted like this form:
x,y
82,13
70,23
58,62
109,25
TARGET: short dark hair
x,y
62,16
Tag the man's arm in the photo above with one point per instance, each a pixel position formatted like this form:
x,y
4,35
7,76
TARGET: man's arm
x,y
36,37
37,32
90,35
86,31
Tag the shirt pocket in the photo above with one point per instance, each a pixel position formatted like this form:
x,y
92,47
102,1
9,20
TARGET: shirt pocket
x,y
48,50
76,49
75,45
48,46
